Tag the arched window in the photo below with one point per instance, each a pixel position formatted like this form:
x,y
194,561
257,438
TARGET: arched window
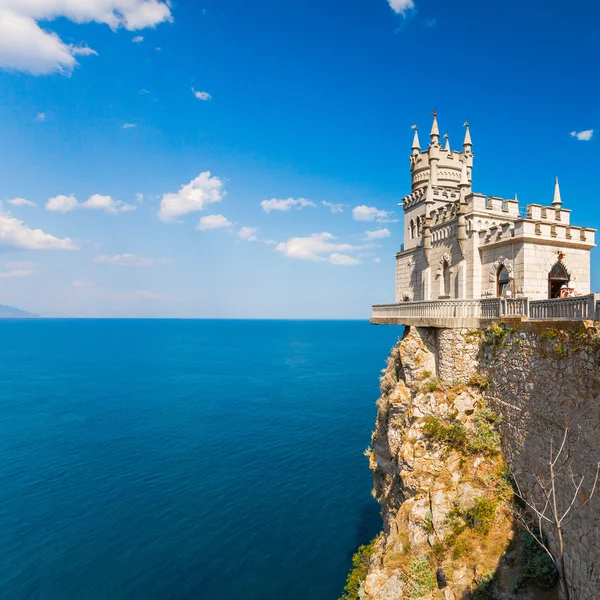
x,y
412,229
418,226
503,279
557,277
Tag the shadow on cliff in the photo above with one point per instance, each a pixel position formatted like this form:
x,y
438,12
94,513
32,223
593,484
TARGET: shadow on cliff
x,y
369,523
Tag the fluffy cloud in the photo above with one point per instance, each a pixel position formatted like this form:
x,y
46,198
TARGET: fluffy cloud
x,y
64,204
334,208
194,196
318,247
201,95
61,204
25,46
583,136
21,202
138,39
369,213
401,6
129,125
377,234
15,235
285,205
376,260
248,234
107,203
131,260
40,117
213,222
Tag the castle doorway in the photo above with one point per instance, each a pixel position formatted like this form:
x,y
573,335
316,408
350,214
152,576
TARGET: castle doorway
x,y
557,277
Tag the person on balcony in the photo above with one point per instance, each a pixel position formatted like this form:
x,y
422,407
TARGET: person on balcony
x,y
564,291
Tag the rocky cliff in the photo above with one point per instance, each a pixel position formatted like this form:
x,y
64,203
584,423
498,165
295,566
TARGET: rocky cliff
x,y
459,413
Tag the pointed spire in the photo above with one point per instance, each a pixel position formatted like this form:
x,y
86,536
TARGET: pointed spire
x,y
435,131
516,197
557,202
416,146
447,138
467,144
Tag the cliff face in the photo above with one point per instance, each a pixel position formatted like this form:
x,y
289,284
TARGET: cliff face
x,y
442,482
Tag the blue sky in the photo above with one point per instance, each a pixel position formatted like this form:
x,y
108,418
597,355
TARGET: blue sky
x,y
112,116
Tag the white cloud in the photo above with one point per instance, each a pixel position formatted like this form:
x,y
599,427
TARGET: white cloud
x,y
144,91
201,95
334,208
21,202
83,284
583,136
248,234
61,204
25,46
107,203
376,260
213,222
285,205
377,234
317,247
129,125
15,235
131,260
40,117
138,39
401,6
64,204
369,213
139,198
18,269
342,259
194,196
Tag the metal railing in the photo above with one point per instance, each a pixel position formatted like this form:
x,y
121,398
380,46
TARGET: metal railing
x,y
579,308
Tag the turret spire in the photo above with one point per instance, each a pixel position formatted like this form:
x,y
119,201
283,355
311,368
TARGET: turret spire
x,y
467,144
416,146
447,138
557,202
464,176
435,131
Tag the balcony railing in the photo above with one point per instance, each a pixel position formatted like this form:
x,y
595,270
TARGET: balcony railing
x,y
488,309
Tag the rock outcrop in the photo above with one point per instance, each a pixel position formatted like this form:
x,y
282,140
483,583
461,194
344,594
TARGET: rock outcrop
x,y
449,529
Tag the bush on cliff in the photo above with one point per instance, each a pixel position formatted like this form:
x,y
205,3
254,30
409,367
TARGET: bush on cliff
x,y
358,573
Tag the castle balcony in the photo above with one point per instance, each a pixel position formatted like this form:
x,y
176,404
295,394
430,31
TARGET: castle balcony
x,y
482,312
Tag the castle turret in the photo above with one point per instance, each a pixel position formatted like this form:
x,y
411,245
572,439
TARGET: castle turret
x,y
434,151
447,147
464,186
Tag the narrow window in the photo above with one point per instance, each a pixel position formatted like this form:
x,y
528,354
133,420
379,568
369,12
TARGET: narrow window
x,y
503,279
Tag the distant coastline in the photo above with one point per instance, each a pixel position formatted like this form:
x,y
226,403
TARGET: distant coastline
x,y
10,312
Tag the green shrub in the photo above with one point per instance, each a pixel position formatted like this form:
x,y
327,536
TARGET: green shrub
x,y
480,380
536,565
358,573
480,516
420,578
549,334
484,585
453,434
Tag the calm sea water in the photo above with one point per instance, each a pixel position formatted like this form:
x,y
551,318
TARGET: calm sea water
x,y
185,459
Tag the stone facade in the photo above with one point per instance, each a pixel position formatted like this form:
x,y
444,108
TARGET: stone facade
x,y
542,377
459,244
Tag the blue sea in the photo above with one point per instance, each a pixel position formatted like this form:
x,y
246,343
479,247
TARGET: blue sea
x,y
195,459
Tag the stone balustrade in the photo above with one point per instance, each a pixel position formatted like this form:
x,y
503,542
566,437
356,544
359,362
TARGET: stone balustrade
x,y
481,312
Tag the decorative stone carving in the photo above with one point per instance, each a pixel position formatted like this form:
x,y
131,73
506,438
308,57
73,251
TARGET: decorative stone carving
x,y
501,261
446,258
407,296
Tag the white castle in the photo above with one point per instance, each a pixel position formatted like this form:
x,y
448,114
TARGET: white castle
x,y
459,244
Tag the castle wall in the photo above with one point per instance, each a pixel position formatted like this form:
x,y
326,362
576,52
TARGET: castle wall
x,y
541,379
539,260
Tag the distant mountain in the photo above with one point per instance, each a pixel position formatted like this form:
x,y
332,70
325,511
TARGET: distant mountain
x,y
9,312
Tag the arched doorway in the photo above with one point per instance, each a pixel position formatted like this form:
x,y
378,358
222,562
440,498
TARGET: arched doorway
x,y
502,281
557,277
